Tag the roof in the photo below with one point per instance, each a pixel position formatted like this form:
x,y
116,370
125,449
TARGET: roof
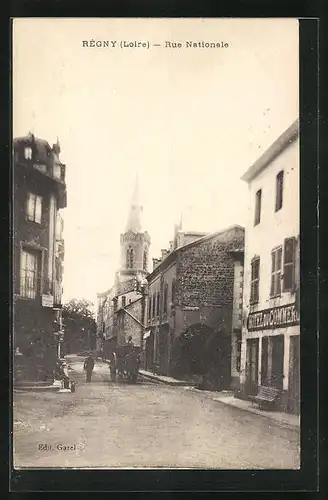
x,y
135,212
273,151
172,254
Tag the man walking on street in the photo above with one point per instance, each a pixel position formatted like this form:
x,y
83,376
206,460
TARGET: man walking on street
x,y
88,366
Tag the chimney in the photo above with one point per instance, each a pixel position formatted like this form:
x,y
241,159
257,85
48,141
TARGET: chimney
x,y
155,263
171,246
164,253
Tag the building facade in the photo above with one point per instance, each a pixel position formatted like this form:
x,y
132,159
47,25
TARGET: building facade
x,y
271,332
38,252
194,307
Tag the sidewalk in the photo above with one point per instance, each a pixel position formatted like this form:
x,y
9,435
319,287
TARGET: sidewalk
x,y
164,379
226,397
31,386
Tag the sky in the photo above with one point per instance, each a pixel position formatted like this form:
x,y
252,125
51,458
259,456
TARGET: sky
x,y
189,121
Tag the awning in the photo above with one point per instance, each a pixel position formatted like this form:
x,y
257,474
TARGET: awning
x,y
147,334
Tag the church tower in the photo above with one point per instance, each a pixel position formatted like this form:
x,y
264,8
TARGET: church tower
x,y
135,242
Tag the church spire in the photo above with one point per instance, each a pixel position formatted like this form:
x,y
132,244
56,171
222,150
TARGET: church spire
x,y
134,219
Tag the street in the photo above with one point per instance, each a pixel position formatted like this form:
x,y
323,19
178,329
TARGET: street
x,y
105,425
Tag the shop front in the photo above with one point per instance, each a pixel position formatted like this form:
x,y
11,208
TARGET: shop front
x,y
272,354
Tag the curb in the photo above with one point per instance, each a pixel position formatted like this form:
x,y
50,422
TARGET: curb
x,y
166,382
45,388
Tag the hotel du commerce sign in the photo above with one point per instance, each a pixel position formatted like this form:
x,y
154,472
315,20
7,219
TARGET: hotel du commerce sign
x,y
276,317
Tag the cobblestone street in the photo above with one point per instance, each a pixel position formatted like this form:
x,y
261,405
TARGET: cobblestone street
x,y
142,425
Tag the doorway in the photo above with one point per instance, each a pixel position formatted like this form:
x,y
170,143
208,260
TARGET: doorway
x,y
264,361
277,371
293,405
252,364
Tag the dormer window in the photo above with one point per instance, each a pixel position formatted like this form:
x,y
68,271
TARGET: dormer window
x,y
57,171
28,153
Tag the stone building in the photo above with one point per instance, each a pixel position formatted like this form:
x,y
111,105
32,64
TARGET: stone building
x,y
121,309
271,331
38,252
194,307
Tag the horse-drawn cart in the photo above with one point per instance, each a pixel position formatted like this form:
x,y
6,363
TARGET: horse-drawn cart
x,y
127,362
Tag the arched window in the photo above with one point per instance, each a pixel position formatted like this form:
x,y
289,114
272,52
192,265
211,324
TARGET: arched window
x,y
129,258
145,258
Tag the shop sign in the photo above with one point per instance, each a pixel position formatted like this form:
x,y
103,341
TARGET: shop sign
x,y
276,317
47,300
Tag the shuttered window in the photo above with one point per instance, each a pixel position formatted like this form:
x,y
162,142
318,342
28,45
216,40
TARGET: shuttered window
x,y
276,260
289,264
255,280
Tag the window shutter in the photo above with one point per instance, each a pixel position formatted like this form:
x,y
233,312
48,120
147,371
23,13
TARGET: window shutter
x,y
273,269
289,264
278,271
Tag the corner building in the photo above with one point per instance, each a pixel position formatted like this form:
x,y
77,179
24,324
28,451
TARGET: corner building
x,y
38,253
270,352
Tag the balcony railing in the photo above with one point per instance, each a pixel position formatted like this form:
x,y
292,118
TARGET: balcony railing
x,y
29,287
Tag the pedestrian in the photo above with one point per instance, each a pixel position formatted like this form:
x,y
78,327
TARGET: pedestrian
x,y
112,367
130,341
88,366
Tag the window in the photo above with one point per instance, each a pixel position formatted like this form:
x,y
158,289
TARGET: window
x,y
29,274
258,199
145,258
28,153
157,309
279,190
289,264
276,256
165,298
123,301
34,208
255,280
154,305
149,307
173,291
57,171
129,258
